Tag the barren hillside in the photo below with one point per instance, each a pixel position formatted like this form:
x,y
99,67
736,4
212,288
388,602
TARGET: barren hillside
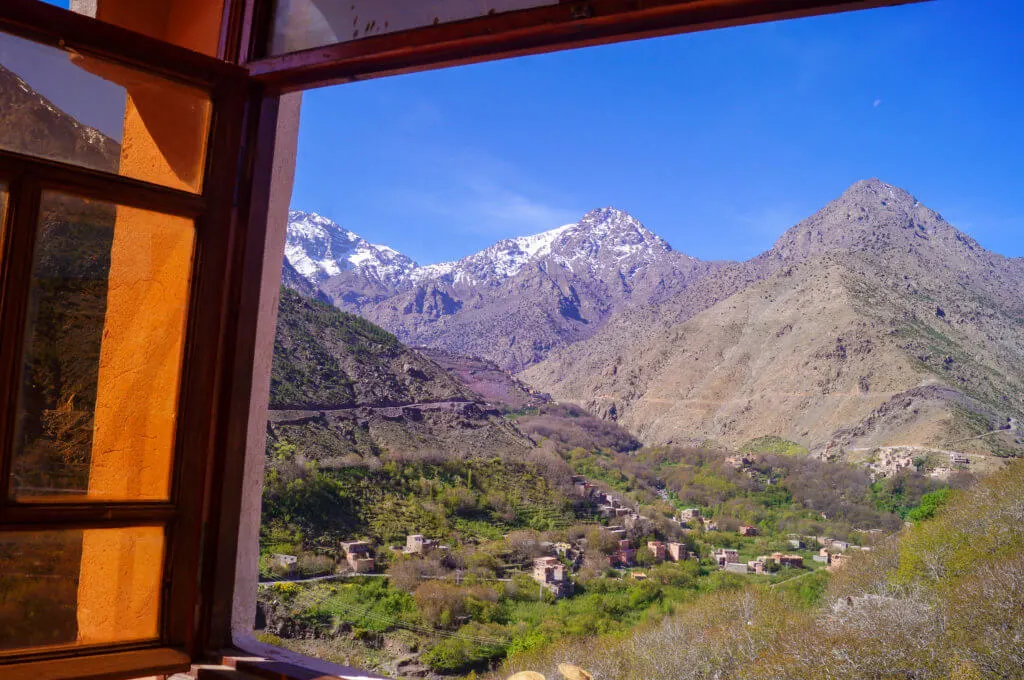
x,y
827,340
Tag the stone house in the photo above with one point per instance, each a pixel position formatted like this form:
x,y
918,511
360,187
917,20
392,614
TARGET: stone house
x,y
747,530
284,561
724,556
625,556
415,544
657,549
358,556
689,514
549,572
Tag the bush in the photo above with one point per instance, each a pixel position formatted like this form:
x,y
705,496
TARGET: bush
x,y
472,646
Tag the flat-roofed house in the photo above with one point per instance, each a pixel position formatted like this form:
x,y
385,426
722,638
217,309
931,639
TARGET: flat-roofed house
x,y
726,556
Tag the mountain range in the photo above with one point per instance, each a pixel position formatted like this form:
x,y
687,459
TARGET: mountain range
x,y
874,322
513,302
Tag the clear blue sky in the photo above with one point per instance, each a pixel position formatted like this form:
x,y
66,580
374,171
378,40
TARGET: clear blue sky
x,y
717,141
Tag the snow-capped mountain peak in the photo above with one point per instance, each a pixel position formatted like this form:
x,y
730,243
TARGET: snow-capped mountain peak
x,y
617,231
607,244
318,248
494,264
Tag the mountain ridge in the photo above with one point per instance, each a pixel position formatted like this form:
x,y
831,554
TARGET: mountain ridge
x,y
878,272
564,284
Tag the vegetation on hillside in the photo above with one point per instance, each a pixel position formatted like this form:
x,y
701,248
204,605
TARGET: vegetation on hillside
x,y
446,499
326,358
498,490
475,604
940,600
774,445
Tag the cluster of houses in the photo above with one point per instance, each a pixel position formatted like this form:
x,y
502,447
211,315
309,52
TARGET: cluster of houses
x,y
891,460
728,559
957,461
833,553
672,551
608,505
691,518
359,556
552,573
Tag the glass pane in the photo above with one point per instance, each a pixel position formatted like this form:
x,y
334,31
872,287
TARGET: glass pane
x,y
90,586
103,352
77,109
302,24
195,26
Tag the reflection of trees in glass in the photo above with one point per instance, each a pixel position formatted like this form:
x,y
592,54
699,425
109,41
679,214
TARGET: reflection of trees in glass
x,y
39,588
65,325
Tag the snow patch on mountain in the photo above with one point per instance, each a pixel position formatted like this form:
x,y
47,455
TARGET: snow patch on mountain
x,y
318,248
496,263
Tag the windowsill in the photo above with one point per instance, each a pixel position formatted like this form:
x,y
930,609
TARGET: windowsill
x,y
274,663
112,666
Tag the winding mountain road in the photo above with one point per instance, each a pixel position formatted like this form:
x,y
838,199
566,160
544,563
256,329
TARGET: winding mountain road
x,y
388,410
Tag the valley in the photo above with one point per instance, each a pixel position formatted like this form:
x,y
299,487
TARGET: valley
x,y
872,323
584,433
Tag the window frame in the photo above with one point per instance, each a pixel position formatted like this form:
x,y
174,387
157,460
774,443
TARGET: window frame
x,y
566,24
184,514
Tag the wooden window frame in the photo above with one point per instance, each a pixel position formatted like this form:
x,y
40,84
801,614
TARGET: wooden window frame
x,y
567,24
185,513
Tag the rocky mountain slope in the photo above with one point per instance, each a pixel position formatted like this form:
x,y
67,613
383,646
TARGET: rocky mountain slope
x,y
511,303
346,267
873,322
344,391
290,278
33,125
486,379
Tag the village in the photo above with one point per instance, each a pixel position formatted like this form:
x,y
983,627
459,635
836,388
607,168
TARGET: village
x,y
624,555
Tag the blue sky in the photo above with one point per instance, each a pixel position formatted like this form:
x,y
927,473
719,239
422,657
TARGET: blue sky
x,y
717,141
